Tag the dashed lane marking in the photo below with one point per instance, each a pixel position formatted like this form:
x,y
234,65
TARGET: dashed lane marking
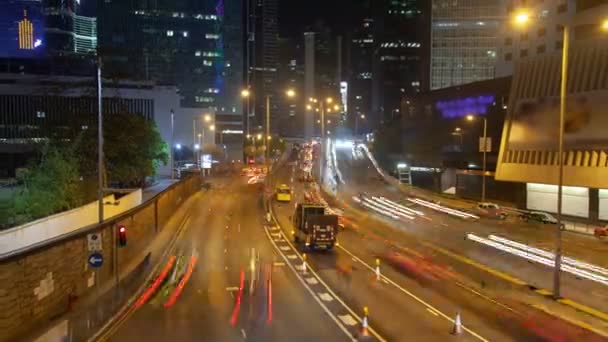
x,y
325,297
347,319
312,281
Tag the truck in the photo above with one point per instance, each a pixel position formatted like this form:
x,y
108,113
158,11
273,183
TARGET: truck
x,y
314,226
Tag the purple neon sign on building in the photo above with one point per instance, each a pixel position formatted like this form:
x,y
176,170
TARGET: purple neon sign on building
x,y
474,105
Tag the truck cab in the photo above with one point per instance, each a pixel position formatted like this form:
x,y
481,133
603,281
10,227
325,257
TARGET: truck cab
x,y
314,227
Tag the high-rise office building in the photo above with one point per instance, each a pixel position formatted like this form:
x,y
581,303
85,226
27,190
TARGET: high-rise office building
x,y
542,37
194,45
262,62
67,31
360,62
464,41
401,44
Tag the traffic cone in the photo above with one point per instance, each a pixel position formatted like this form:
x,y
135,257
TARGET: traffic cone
x,y
457,330
365,323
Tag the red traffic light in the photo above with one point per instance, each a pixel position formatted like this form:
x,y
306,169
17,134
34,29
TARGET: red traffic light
x,y
122,236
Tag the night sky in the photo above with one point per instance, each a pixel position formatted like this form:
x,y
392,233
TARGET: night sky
x,y
296,16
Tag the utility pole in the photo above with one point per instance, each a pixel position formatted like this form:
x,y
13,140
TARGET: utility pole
x,y
100,183
266,139
560,162
485,150
171,162
322,157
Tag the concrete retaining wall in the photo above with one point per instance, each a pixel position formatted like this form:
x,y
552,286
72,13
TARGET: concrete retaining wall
x,y
35,284
62,223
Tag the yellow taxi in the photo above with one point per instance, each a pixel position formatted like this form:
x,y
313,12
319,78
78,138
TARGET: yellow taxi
x,y
283,193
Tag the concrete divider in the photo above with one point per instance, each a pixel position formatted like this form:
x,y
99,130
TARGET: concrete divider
x,y
38,283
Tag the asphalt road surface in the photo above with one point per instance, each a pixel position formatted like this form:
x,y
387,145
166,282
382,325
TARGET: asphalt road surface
x,y
225,233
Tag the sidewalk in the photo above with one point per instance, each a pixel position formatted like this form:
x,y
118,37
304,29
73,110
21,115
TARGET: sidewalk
x,y
90,313
157,187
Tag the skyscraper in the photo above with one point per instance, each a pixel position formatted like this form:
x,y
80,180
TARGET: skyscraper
x,y
194,45
360,62
401,38
464,41
262,61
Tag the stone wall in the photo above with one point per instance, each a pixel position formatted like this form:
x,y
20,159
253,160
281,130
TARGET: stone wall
x,y
35,285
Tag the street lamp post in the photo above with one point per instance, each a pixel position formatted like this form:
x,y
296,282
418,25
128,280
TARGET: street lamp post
x,y
484,147
99,144
171,161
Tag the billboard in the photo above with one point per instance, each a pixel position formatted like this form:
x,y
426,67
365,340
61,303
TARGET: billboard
x,y
21,28
535,123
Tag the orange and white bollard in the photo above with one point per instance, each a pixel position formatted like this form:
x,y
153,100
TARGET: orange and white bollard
x,y
304,263
457,330
364,322
378,275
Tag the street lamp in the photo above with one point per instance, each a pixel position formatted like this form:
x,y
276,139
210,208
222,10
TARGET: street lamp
x,y
521,19
484,146
245,93
259,136
322,109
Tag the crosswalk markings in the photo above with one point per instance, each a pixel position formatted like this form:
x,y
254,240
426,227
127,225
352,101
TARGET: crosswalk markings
x,y
292,256
284,248
277,263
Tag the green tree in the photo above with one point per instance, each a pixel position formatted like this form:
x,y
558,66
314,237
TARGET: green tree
x,y
52,184
133,149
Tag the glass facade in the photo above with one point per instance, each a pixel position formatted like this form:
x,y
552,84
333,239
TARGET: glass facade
x,y
464,41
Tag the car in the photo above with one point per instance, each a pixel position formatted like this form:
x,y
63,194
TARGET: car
x,y
539,217
491,210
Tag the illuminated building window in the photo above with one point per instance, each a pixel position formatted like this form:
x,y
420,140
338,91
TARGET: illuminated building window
x,y
212,91
185,34
212,36
203,99
197,53
169,33
40,114
207,63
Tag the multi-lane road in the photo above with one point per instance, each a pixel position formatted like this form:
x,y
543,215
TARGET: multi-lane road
x,y
225,234
242,278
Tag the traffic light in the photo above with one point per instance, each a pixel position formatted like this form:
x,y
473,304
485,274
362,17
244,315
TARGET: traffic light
x,y
122,236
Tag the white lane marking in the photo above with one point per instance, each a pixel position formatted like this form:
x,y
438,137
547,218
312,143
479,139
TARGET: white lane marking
x,y
284,248
432,312
374,332
275,235
347,319
323,306
326,297
427,305
312,281
292,256
243,333
232,288
279,264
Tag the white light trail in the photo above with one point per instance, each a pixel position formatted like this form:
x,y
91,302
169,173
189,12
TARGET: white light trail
x,y
541,260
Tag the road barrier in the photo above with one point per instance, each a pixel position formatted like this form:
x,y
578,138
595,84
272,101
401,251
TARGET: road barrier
x,y
38,282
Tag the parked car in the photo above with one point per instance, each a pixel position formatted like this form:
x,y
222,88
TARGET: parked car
x,y
491,210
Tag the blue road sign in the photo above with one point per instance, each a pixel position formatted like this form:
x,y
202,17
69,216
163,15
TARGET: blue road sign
x,y
96,260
